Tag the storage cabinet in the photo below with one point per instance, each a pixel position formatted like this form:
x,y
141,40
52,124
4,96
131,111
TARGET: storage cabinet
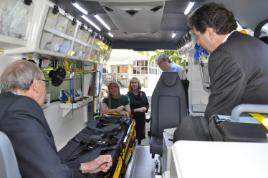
x,y
63,38
14,22
36,29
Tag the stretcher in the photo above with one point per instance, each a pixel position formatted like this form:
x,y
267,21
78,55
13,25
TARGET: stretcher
x,y
114,135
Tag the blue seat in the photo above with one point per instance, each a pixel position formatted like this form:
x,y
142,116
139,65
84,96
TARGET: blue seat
x,y
8,162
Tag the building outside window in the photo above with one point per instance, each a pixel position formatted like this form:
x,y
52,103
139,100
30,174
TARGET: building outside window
x,y
125,64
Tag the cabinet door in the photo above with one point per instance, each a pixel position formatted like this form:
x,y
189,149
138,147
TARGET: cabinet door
x,y
58,33
14,22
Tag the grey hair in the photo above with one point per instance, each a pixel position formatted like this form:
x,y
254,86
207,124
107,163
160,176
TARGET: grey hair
x,y
19,75
162,57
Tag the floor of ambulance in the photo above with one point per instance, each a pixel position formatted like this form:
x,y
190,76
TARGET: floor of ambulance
x,y
141,165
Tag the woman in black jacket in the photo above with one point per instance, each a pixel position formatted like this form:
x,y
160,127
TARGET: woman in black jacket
x,y
139,106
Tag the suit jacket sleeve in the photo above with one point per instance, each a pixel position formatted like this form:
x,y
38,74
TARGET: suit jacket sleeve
x,y
228,83
33,142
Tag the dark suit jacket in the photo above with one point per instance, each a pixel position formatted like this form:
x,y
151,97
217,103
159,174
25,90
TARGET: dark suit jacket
x,y
238,71
22,119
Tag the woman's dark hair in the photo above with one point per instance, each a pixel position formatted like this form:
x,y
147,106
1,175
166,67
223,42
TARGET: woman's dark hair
x,y
113,84
215,16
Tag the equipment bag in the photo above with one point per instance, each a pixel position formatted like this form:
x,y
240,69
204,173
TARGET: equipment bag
x,y
225,130
216,129
192,128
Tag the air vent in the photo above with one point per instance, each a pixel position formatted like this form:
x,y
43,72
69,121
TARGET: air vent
x,y
108,9
131,12
156,8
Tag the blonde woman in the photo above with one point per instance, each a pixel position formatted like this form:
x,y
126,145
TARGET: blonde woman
x,y
139,106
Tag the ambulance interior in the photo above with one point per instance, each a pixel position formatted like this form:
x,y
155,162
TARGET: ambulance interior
x,y
59,33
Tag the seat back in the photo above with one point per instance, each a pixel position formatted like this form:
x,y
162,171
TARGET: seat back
x,y
8,162
168,107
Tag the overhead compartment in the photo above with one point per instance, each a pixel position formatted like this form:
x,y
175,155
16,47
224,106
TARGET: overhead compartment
x,y
44,29
14,23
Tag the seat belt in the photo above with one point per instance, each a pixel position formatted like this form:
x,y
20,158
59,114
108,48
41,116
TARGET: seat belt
x,y
260,118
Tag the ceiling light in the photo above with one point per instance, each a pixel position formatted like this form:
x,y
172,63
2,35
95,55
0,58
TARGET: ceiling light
x,y
173,35
102,22
81,9
91,23
110,34
189,7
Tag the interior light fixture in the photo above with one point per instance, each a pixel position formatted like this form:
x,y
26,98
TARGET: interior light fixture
x,y
95,34
82,27
91,23
189,7
173,35
55,10
28,2
156,8
90,30
80,8
132,11
74,22
108,9
102,22
110,34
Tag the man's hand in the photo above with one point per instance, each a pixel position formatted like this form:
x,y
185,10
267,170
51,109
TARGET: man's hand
x,y
101,163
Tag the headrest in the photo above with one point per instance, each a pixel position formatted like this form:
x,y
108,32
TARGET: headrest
x,y
169,79
57,76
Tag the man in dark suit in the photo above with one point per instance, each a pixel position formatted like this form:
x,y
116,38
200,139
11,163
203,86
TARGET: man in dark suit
x,y
237,64
21,118
237,68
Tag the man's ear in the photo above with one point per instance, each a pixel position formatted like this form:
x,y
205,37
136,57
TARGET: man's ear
x,y
35,85
211,32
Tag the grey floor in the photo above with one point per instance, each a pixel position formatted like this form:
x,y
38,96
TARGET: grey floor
x,y
145,142
141,165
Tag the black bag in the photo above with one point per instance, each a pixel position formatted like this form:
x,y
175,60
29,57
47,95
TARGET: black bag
x,y
216,129
192,128
225,130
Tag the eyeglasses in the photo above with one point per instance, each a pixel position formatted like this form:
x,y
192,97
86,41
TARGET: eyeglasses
x,y
46,81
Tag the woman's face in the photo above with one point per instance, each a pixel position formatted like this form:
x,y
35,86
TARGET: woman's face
x,y
134,84
114,90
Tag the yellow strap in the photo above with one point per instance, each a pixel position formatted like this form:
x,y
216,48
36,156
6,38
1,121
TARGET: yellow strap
x,y
259,117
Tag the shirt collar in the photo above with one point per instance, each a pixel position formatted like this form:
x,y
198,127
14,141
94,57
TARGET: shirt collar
x,y
227,36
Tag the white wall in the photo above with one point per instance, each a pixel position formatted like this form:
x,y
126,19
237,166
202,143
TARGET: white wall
x,y
6,60
198,96
62,127
65,127
152,81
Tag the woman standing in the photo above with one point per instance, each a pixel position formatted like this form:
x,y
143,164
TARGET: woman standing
x,y
139,106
